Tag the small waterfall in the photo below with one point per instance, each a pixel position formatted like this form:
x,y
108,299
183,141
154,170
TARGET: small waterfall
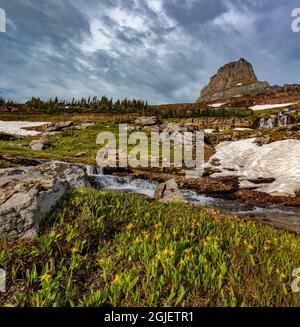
x,y
93,170
127,184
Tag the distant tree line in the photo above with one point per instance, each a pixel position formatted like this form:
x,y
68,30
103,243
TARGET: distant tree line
x,y
105,105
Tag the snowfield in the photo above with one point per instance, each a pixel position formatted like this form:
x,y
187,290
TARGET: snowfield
x,y
216,105
271,106
17,127
279,160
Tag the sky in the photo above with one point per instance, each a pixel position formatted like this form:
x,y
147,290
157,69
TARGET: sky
x,y
163,51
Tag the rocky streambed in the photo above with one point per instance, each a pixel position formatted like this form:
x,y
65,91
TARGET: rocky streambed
x,y
243,178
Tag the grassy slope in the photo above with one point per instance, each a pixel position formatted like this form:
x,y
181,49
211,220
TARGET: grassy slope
x,y
102,248
66,144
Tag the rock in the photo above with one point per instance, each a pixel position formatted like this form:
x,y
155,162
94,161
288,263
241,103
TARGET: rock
x,y
8,137
50,133
173,127
233,80
19,160
264,139
88,124
57,127
225,123
42,144
213,186
28,194
80,154
154,129
190,127
147,121
168,192
83,126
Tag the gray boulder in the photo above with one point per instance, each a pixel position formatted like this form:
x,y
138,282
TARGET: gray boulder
x,y
42,144
28,194
147,121
168,192
57,127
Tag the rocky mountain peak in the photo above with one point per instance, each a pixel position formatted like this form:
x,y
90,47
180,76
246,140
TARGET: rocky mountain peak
x,y
236,76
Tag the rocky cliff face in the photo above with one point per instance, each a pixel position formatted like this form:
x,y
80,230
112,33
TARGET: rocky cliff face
x,y
233,80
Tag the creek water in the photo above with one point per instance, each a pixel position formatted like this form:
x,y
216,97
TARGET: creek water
x,y
280,216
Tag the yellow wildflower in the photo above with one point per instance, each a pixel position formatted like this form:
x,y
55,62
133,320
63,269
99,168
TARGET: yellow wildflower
x,y
145,233
117,280
157,237
137,241
157,226
188,251
129,227
45,277
182,262
75,250
280,273
101,261
250,247
168,252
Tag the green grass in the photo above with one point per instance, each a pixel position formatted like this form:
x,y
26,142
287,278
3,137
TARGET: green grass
x,y
113,249
66,144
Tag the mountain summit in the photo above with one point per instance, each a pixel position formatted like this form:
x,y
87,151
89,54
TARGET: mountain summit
x,y
233,80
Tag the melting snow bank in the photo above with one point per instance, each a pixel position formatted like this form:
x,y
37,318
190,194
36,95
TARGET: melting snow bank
x,y
271,106
17,127
279,161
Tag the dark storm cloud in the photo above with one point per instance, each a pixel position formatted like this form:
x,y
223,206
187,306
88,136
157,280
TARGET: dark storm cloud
x,y
191,13
160,50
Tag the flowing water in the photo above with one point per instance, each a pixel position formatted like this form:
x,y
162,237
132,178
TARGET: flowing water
x,y
284,217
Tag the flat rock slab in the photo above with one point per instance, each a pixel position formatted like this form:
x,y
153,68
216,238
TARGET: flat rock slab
x,y
28,194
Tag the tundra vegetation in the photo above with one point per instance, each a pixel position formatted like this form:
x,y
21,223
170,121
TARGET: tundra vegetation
x,y
114,249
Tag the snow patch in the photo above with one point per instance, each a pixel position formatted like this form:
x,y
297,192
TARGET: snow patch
x,y
271,106
216,105
17,127
250,162
242,129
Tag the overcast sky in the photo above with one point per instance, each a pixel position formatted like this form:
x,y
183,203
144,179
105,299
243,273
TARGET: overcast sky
x,y
163,51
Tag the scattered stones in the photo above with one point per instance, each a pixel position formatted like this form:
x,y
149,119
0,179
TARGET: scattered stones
x,y
28,194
